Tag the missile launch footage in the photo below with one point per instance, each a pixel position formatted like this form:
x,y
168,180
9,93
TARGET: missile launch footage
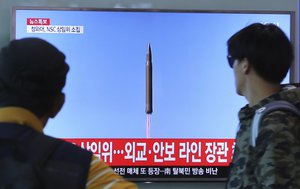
x,y
149,108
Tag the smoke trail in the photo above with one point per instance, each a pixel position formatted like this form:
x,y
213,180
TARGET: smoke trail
x,y
148,125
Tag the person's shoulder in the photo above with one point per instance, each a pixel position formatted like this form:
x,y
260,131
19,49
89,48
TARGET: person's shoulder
x,y
280,119
69,152
279,126
103,176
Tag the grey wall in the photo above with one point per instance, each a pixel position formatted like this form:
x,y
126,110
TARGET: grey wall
x,y
279,5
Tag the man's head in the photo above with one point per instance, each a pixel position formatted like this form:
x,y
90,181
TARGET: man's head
x,y
266,48
32,75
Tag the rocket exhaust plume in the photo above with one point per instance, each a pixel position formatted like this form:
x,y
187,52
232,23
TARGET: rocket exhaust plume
x,y
149,108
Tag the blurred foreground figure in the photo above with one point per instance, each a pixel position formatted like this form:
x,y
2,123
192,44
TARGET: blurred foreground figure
x,y
32,76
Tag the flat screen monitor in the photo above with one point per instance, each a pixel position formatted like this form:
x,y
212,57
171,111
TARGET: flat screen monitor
x,y
189,132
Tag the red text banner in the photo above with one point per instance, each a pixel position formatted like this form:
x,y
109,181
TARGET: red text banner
x,y
38,21
159,152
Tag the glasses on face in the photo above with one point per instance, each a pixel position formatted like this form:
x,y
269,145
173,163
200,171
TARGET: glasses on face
x,y
230,60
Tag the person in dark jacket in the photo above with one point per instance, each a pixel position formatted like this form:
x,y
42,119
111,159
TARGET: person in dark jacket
x,y
260,56
32,76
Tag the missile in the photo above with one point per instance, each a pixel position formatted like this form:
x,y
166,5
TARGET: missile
x,y
149,108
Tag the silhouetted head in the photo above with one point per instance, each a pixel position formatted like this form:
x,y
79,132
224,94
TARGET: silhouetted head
x,y
32,75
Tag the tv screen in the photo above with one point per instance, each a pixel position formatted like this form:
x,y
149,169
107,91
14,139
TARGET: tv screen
x,y
175,119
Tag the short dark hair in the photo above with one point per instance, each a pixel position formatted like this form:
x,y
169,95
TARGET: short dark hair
x,y
266,47
32,74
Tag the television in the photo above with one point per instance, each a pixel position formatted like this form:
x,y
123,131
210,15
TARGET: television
x,y
189,133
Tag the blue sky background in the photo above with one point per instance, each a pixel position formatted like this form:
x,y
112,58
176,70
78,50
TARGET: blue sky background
x,y
193,86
